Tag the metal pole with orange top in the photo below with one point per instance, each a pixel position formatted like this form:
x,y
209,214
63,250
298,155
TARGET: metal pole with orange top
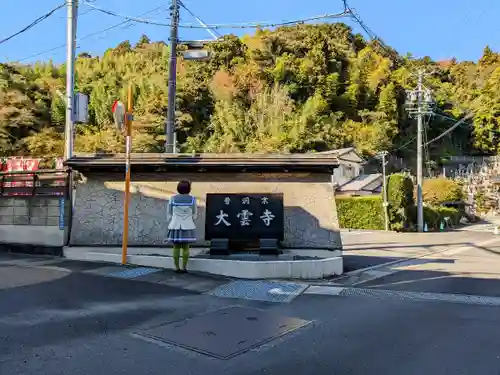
x,y
128,150
123,120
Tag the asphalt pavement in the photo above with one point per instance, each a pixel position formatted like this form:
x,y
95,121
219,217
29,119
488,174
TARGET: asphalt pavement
x,y
373,248
61,318
459,262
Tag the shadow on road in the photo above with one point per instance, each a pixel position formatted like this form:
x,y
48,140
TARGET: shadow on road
x,y
73,306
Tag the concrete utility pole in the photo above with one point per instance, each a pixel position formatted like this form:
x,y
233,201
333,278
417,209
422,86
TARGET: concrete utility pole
x,y
71,25
385,204
172,80
420,105
420,178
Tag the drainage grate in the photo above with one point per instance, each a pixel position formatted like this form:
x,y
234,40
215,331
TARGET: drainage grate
x,y
260,291
421,296
132,273
224,333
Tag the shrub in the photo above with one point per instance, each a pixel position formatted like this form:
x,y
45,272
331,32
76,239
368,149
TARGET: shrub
x,y
434,216
360,212
401,202
439,190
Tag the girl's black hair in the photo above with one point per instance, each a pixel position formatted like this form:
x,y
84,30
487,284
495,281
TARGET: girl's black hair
x,y
184,187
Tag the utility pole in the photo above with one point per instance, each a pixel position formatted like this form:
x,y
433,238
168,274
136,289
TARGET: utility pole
x,y
420,104
420,203
172,80
385,204
71,24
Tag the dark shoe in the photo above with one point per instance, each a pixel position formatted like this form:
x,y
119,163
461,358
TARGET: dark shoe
x,y
184,271
178,271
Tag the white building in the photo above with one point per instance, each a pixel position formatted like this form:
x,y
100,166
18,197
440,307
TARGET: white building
x,y
349,177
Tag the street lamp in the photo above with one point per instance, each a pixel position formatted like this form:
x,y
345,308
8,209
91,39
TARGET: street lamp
x,y
196,50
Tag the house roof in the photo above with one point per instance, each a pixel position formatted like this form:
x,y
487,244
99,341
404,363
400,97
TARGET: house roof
x,y
342,152
360,182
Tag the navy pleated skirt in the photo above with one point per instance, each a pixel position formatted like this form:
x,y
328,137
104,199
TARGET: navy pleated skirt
x,y
181,235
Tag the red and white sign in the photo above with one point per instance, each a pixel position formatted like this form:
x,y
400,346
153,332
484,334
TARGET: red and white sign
x,y
18,165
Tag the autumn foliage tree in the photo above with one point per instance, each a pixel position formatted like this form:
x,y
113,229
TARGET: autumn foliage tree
x,y
294,89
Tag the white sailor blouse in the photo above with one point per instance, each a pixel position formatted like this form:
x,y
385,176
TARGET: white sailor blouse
x,y
182,212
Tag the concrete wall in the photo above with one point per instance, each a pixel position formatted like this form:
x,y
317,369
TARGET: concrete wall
x,y
32,221
310,211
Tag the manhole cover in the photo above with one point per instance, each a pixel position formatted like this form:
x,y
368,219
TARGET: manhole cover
x,y
225,333
132,273
268,291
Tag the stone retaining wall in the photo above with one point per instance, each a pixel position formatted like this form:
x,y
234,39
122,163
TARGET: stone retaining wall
x,y
310,211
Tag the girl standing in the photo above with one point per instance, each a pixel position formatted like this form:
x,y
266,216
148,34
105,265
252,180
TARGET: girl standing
x,y
182,212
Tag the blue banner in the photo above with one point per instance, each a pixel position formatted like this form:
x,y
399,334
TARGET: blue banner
x,y
61,213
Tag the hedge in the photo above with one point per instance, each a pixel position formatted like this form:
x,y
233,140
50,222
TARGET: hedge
x,y
360,212
367,212
439,190
401,202
434,216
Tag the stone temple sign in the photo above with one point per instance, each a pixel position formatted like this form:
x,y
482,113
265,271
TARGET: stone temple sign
x,y
243,221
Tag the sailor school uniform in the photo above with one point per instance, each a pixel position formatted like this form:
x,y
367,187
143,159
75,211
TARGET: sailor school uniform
x,y
182,213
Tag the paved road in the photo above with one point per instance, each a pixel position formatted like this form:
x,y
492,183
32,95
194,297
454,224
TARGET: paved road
x,y
371,248
59,320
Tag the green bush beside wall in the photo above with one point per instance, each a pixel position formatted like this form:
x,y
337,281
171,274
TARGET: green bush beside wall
x,y
400,198
360,212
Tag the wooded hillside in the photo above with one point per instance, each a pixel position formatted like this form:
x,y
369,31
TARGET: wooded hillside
x,y
295,89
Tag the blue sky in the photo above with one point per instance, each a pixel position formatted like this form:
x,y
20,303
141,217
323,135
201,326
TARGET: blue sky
x,y
438,28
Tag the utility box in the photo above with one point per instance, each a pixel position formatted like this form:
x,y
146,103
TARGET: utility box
x,y
81,108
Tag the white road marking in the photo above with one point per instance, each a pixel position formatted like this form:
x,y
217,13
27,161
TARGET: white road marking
x,y
467,299
324,290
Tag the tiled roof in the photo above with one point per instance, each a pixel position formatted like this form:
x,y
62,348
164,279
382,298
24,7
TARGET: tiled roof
x,y
360,182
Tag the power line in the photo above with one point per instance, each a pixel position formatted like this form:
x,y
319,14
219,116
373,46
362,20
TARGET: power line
x,y
214,33
460,122
356,17
33,24
249,25
404,145
89,35
80,13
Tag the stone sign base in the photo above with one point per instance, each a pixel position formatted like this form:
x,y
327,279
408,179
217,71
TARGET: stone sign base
x,y
294,264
